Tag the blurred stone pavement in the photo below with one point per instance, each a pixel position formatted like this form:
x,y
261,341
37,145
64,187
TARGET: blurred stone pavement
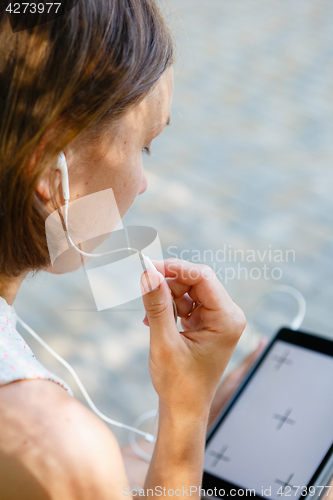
x,y
247,165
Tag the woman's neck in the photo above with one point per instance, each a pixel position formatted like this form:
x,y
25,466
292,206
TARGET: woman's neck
x,y
9,287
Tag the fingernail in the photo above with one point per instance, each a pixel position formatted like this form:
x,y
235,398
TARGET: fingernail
x,y
148,263
150,281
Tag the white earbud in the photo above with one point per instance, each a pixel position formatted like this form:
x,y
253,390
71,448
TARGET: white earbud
x,y
62,166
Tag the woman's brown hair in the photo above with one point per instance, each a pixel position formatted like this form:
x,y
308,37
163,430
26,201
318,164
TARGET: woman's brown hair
x,y
58,81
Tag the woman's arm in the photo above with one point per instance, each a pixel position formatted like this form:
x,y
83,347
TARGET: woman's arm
x,y
177,461
54,448
137,468
186,368
71,454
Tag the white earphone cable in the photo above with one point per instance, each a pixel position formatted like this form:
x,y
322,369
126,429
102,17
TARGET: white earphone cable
x,y
97,254
295,324
132,439
146,262
299,318
149,437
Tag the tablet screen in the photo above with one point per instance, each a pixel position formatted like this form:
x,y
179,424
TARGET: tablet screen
x,y
277,433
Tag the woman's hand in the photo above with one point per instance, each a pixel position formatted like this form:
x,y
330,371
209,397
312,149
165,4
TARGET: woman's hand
x,y
186,367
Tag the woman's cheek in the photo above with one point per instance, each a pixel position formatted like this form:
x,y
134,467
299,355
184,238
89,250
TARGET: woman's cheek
x,y
127,194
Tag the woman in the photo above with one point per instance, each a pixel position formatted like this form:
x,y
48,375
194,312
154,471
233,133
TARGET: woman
x,y
97,84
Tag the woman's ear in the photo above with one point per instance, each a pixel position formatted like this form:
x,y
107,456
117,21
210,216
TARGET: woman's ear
x,y
43,187
48,183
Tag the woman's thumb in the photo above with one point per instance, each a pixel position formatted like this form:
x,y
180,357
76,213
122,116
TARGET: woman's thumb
x,y
157,301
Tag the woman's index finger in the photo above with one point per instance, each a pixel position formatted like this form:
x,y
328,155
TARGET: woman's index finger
x,y
208,288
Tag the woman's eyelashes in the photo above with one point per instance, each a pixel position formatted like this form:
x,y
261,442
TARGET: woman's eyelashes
x,y
146,151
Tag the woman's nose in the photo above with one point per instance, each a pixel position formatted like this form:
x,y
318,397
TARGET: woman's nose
x,y
144,183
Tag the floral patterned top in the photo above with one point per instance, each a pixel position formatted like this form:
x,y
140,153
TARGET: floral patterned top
x,y
17,361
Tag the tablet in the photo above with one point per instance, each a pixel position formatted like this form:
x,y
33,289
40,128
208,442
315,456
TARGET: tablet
x,y
275,438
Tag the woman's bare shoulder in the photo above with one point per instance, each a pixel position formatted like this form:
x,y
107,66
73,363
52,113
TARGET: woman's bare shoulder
x,y
52,446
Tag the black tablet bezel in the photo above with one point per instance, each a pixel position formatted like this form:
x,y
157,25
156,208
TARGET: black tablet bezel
x,y
300,338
